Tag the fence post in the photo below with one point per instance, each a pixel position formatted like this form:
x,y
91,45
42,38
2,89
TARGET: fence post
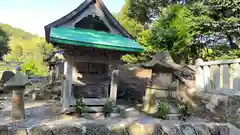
x,y
199,76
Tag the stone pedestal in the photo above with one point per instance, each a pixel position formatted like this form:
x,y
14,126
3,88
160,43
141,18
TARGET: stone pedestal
x,y
18,105
17,84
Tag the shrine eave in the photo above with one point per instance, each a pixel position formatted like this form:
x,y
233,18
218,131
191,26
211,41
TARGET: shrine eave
x,y
95,39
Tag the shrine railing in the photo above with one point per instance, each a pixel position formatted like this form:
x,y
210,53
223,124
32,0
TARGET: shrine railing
x,y
218,75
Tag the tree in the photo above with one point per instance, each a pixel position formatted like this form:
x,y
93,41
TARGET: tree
x,y
217,27
137,30
146,11
27,48
173,31
3,43
207,29
130,24
31,52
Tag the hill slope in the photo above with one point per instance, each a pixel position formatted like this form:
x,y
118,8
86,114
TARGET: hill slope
x,y
18,45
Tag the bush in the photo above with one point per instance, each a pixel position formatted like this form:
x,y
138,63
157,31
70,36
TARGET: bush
x,y
79,106
108,108
162,110
184,111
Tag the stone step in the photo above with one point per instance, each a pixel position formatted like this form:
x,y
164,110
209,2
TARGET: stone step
x,y
92,109
173,116
94,101
101,115
97,109
128,111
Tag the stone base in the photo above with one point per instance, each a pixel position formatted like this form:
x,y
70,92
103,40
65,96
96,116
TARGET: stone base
x,y
220,105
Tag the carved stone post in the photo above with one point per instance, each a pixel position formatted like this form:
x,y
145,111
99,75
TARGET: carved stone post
x,y
67,89
57,72
114,85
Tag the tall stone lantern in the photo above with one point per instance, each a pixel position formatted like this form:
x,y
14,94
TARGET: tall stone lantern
x,y
17,85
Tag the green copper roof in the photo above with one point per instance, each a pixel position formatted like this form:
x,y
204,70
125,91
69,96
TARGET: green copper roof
x,y
92,38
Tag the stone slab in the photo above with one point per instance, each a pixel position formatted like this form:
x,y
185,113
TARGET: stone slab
x,y
94,101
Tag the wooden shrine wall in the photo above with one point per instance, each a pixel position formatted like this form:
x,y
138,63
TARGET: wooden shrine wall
x,y
92,72
94,80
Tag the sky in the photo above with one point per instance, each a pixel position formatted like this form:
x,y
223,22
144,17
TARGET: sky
x,y
33,15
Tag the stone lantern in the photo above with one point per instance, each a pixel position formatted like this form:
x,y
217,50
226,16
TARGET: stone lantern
x,y
17,84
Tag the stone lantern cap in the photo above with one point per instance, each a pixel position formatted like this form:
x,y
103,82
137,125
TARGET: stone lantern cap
x,y
19,80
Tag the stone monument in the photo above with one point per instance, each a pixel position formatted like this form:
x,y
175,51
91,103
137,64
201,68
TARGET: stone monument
x,y
17,84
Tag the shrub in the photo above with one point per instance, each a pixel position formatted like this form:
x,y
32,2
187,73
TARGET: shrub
x,y
79,105
108,108
184,111
162,110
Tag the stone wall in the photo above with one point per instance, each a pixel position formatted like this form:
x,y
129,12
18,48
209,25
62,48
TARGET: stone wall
x,y
220,105
139,127
133,82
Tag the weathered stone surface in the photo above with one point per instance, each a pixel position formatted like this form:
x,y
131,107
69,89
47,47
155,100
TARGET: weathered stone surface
x,y
1,106
18,132
18,111
96,129
38,94
132,83
145,125
202,129
118,130
222,105
139,127
43,130
135,129
19,79
171,128
188,130
214,129
67,130
4,130
6,76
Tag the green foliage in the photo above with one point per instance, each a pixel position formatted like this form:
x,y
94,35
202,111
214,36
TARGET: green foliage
x,y
108,108
146,11
137,30
3,43
27,48
79,106
162,110
217,29
191,30
15,32
173,32
184,111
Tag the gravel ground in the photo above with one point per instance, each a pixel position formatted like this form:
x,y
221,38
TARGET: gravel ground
x,y
48,113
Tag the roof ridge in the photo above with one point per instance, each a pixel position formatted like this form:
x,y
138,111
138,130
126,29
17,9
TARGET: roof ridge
x,y
80,9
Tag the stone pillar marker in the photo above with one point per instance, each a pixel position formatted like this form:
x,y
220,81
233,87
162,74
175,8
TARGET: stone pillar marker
x,y
67,88
17,84
114,85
